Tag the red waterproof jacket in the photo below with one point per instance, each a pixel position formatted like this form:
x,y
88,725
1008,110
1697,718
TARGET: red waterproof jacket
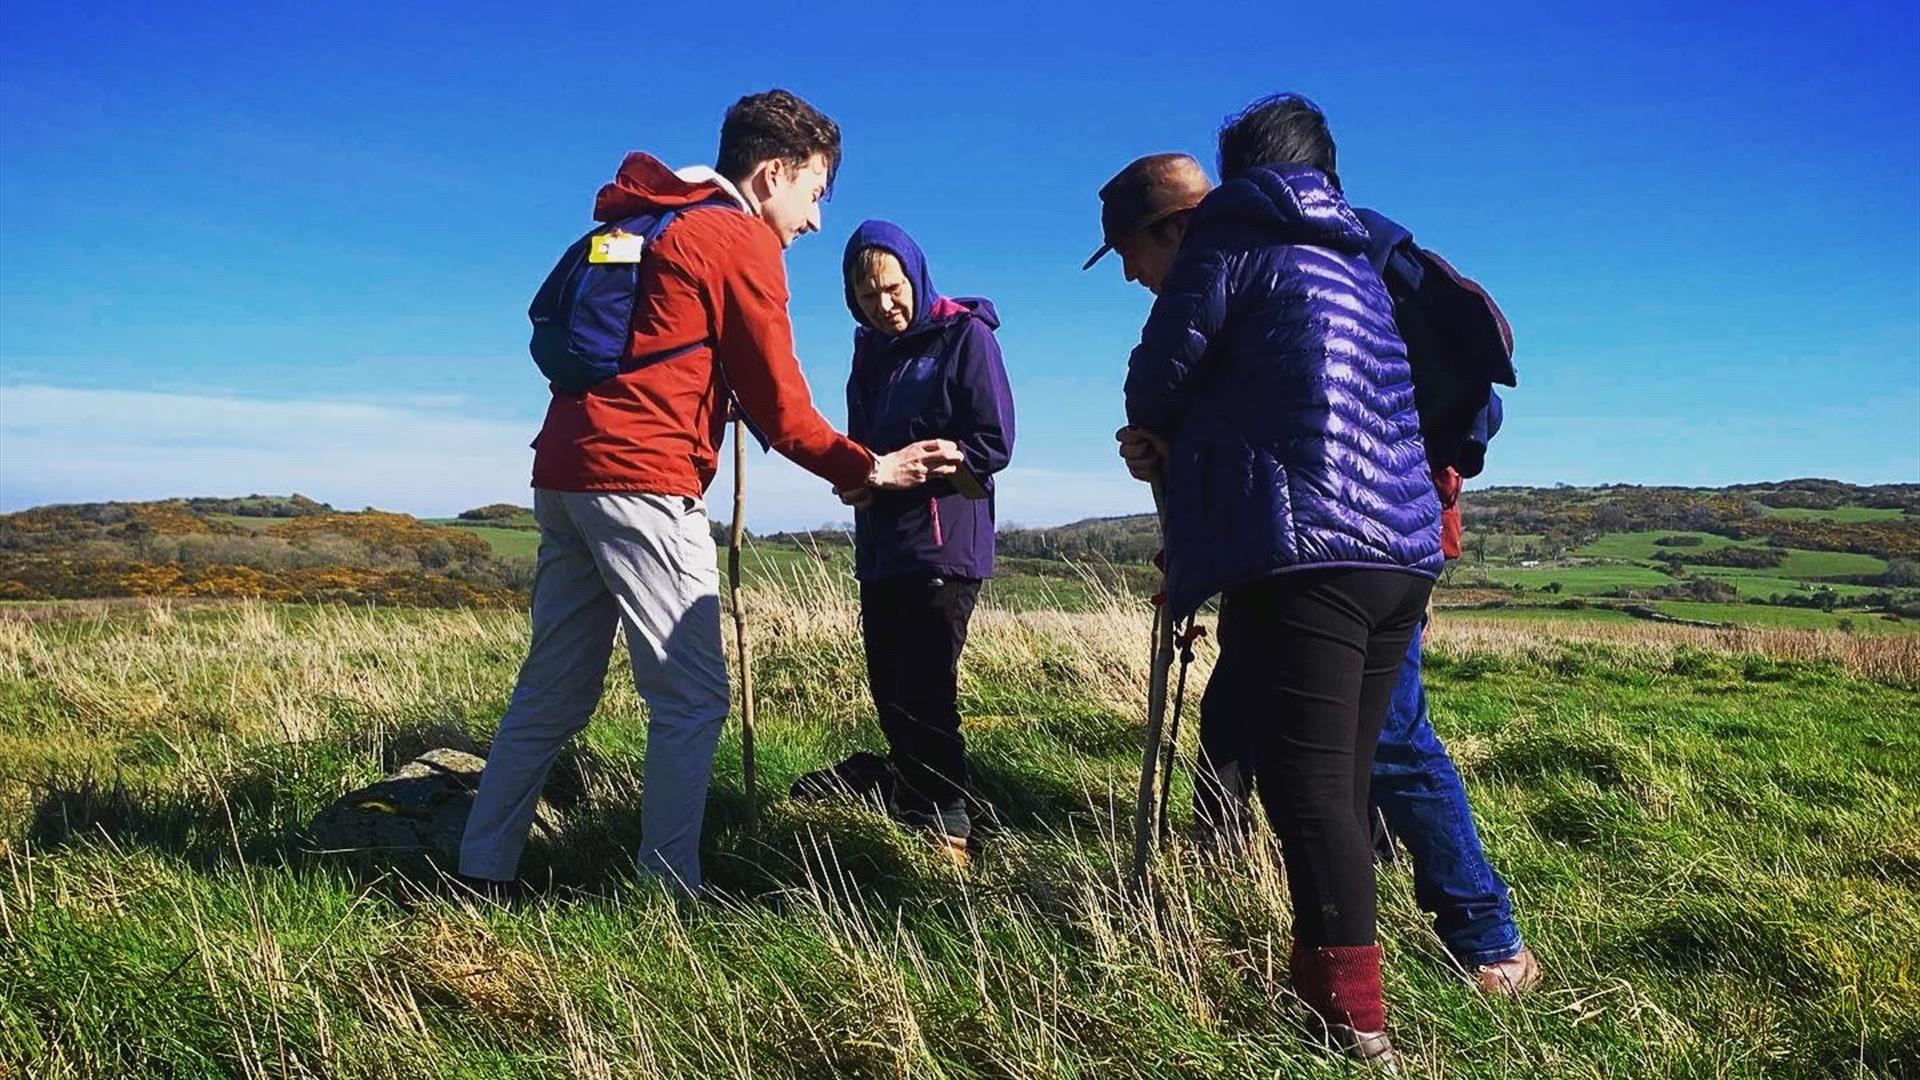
x,y
716,280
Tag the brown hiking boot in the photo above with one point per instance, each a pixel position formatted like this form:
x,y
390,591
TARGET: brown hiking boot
x,y
1370,1047
1511,977
946,826
950,849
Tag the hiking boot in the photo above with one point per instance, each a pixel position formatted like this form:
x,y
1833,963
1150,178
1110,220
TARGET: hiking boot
x,y
951,849
947,826
1341,984
487,890
1511,977
1371,1047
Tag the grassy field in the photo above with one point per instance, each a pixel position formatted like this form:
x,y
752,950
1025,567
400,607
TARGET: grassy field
x,y
1620,561
1644,546
1815,565
1839,513
1577,580
523,519
506,543
1761,584
1624,560
1559,620
1756,616
1713,839
1553,617
1788,618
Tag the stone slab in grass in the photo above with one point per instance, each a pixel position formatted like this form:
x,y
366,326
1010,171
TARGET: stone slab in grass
x,y
418,810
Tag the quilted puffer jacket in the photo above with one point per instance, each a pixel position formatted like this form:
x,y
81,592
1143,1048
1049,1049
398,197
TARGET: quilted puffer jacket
x,y
1271,363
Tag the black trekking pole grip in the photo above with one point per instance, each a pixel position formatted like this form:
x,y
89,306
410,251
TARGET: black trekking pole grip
x,y
1184,639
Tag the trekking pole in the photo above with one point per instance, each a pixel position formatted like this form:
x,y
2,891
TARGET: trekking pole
x,y
1187,637
1143,830
734,537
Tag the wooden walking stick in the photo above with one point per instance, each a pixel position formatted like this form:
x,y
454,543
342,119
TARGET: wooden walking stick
x,y
734,537
1143,825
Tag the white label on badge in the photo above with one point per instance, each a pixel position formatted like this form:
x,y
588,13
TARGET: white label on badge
x,y
617,247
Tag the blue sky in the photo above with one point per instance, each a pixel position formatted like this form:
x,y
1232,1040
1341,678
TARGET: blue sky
x,y
290,247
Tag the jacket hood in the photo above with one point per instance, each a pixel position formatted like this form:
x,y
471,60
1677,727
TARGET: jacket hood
x,y
887,236
1295,200
946,311
644,184
977,306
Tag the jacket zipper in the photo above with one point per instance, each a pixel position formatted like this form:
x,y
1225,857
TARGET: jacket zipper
x,y
893,380
893,384
886,402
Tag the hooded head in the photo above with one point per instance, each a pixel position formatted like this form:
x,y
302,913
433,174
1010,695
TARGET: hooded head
x,y
856,272
1296,203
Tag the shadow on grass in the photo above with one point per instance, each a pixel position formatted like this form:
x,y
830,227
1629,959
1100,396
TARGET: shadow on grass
x,y
1739,937
257,810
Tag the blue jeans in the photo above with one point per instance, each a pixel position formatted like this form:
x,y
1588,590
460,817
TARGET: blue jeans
x,y
1417,790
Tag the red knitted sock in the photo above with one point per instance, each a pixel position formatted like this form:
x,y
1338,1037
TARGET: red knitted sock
x,y
1341,984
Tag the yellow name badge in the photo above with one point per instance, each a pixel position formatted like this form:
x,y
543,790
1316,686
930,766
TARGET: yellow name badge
x,y
616,247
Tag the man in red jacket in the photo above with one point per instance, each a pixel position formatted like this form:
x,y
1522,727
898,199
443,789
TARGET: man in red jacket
x,y
619,473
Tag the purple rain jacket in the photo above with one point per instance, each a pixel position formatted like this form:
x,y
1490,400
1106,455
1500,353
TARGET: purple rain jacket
x,y
941,377
1271,363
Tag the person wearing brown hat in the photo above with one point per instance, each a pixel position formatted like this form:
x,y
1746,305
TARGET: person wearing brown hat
x,y
1143,217
1143,213
1146,213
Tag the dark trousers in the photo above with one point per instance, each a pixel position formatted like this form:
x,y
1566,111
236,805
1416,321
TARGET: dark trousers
x,y
1308,663
914,629
1418,792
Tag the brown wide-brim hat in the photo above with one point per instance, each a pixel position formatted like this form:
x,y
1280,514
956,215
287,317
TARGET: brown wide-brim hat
x,y
1146,192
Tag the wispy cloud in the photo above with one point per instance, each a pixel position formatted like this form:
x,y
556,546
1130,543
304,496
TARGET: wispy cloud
x,y
67,444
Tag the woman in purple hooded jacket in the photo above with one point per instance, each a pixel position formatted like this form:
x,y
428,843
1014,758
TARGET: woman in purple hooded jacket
x,y
924,367
1271,390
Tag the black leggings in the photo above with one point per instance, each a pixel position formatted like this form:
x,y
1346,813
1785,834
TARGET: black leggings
x,y
1308,662
914,629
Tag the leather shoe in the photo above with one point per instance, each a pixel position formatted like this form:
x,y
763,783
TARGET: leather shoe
x,y
1511,977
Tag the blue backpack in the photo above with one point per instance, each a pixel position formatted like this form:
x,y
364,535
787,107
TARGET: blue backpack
x,y
583,314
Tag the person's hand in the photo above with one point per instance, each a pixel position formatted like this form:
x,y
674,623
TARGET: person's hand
x,y
859,498
914,464
1144,452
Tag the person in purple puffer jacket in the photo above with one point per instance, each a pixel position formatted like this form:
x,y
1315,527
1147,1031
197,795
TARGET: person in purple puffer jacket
x,y
1271,392
924,366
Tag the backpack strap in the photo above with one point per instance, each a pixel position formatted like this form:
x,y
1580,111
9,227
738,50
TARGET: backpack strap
x,y
651,226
